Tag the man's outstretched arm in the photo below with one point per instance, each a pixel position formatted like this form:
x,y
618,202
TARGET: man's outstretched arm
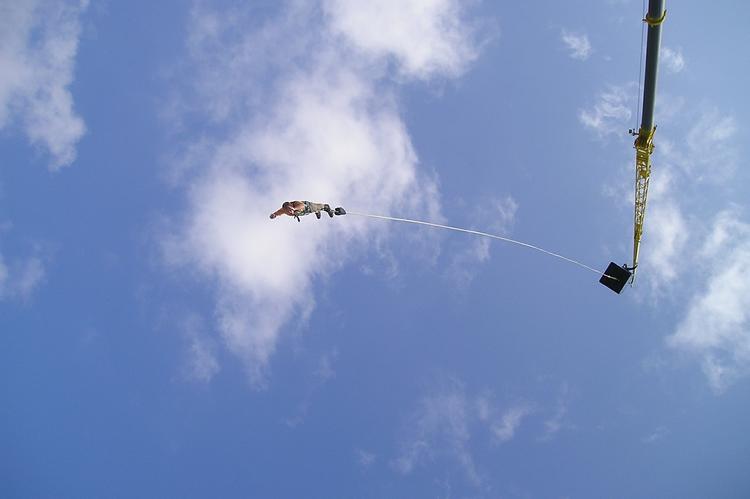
x,y
276,213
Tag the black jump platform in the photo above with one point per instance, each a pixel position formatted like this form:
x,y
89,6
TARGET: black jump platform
x,y
615,277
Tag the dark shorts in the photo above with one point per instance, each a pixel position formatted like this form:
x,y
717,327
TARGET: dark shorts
x,y
312,207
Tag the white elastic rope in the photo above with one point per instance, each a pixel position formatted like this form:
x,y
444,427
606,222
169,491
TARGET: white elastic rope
x,y
478,233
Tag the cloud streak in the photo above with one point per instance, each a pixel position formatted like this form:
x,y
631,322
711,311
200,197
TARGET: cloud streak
x,y
505,428
707,146
577,44
716,326
201,362
554,424
439,427
38,46
669,234
673,59
20,277
445,422
611,111
426,38
494,215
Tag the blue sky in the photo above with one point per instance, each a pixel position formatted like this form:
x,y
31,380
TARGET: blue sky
x,y
162,338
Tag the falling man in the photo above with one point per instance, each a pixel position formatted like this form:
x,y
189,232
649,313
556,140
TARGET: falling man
x,y
298,209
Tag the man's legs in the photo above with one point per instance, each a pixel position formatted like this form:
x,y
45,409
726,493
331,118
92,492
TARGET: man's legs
x,y
314,207
318,207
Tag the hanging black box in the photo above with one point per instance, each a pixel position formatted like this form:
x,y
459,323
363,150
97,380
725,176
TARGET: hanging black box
x,y
615,277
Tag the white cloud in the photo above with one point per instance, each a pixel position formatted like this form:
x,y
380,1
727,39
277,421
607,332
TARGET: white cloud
x,y
484,408
716,327
707,152
321,374
31,273
38,45
448,426
710,147
506,426
318,121
495,216
19,278
325,371
666,234
611,112
578,45
502,424
679,166
201,358
658,434
556,423
365,459
427,38
3,276
465,263
439,428
725,228
445,422
673,60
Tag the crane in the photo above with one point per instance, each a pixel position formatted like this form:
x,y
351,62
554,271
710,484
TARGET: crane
x,y
615,276
644,141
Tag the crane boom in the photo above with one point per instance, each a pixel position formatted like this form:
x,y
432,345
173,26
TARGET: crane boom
x,y
644,142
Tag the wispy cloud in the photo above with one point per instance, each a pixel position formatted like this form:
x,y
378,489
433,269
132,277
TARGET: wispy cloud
x,y
708,146
426,38
658,434
667,233
445,422
502,424
505,427
331,131
557,422
38,46
204,364
707,151
19,277
495,216
711,152
322,373
201,356
325,371
673,60
577,44
439,428
612,111
716,327
364,458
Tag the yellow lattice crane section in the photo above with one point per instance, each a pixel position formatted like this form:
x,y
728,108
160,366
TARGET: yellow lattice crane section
x,y
644,146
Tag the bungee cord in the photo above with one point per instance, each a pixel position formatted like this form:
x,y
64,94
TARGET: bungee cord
x,y
479,233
